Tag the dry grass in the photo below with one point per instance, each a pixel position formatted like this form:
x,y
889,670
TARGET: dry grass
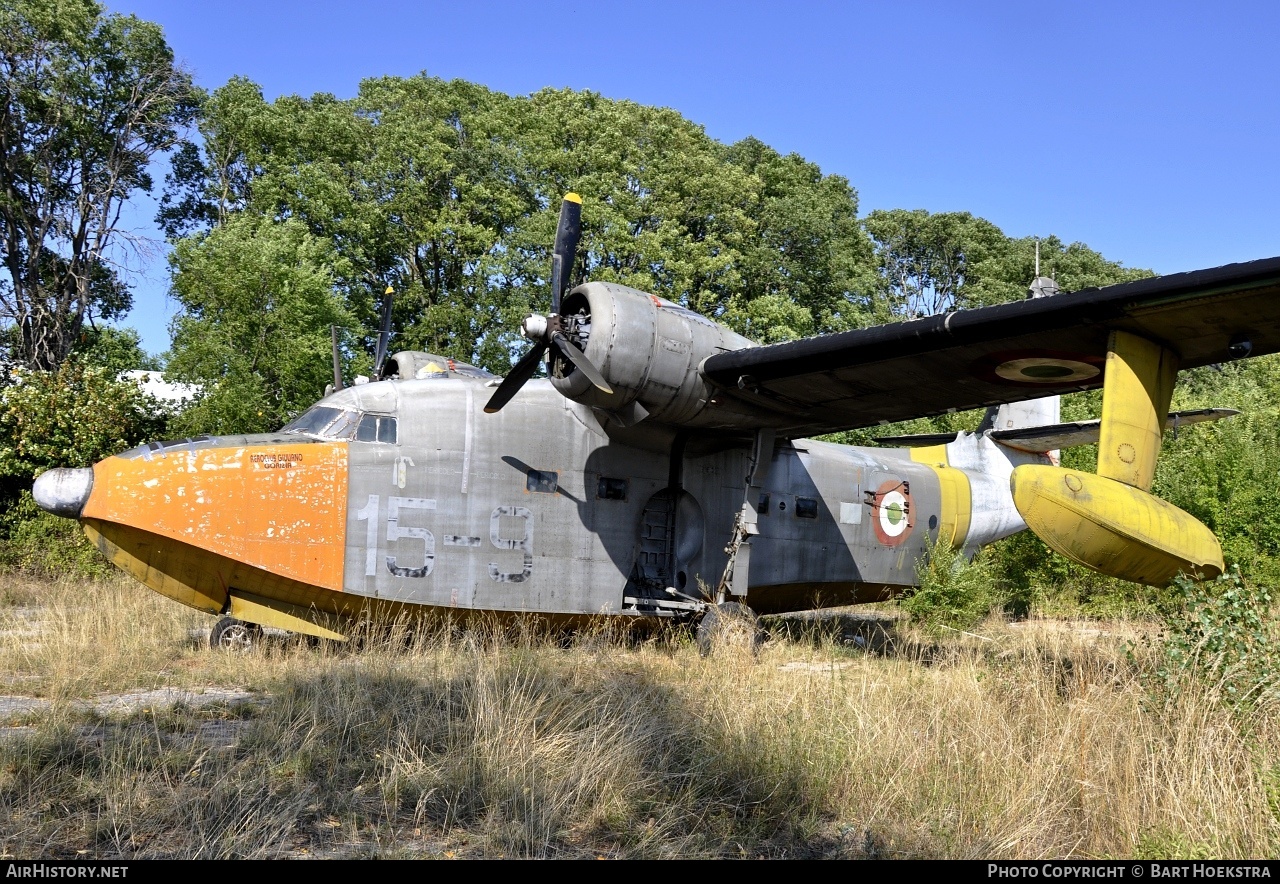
x,y
1029,742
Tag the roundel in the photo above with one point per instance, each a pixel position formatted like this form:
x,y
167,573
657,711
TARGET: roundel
x,y
1045,370
1034,368
892,522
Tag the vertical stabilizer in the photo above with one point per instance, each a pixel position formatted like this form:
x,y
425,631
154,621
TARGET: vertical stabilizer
x,y
1033,412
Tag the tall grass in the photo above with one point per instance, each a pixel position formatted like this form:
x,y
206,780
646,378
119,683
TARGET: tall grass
x,y
1035,740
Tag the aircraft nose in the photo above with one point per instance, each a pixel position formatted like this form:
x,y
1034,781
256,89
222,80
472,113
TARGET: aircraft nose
x,y
63,492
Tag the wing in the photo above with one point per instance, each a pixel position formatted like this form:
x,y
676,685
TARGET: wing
x,y
1006,353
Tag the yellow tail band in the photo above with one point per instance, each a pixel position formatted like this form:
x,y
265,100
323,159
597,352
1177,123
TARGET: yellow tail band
x,y
956,510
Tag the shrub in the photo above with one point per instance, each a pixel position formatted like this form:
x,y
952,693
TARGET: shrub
x,y
73,417
953,591
1222,632
37,543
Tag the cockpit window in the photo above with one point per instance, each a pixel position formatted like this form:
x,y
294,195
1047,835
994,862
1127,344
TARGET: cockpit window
x,y
328,422
313,421
343,427
377,428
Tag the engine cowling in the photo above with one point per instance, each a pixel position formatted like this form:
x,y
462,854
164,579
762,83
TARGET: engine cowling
x,y
648,349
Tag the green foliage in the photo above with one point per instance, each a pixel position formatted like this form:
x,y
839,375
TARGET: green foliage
x,y
114,350
953,592
1168,844
1222,632
37,543
934,263
930,262
73,417
258,299
449,192
1225,473
89,100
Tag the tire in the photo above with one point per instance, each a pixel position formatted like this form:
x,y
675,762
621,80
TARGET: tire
x,y
729,627
234,636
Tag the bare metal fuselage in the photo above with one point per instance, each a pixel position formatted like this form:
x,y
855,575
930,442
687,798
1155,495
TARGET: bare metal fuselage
x,y
541,508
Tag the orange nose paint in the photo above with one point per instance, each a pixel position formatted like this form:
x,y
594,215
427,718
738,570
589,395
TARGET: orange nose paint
x,y
281,508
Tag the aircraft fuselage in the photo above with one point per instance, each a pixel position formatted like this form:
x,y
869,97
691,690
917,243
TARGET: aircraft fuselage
x,y
536,509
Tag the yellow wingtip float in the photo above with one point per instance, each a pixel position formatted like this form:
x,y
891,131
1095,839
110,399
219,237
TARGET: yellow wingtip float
x,y
1112,527
1109,522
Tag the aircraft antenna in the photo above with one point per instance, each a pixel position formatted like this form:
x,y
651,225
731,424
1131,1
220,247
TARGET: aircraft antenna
x,y
1041,286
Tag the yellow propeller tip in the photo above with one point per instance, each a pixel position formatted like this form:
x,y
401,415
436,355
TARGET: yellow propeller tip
x,y
572,197
390,291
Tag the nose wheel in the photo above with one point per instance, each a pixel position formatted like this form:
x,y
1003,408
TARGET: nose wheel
x,y
234,636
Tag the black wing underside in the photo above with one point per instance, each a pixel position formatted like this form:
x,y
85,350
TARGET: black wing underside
x,y
1006,353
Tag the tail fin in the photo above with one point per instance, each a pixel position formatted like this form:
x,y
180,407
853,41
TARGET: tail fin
x,y
1021,415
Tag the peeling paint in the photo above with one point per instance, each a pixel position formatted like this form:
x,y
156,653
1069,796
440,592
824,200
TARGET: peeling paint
x,y
290,522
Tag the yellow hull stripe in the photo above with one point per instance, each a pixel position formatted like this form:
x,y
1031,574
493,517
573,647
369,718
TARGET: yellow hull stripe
x,y
956,510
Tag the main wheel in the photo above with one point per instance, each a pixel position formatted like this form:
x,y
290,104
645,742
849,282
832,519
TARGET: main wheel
x,y
234,636
729,626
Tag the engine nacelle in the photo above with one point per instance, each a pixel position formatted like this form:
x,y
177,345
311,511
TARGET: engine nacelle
x,y
648,349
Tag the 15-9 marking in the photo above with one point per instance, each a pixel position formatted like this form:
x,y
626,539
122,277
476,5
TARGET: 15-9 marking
x,y
395,532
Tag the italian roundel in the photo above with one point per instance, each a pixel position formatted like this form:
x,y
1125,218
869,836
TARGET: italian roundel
x,y
1030,368
892,512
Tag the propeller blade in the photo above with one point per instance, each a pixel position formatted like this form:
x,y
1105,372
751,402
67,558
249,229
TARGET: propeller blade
x,y
568,232
512,383
384,332
578,358
337,359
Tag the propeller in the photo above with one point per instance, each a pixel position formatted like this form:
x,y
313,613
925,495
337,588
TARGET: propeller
x,y
384,332
553,331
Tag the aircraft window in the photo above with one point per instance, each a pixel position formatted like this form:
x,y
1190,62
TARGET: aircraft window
x,y
806,508
326,422
377,428
313,420
611,489
387,430
543,481
344,427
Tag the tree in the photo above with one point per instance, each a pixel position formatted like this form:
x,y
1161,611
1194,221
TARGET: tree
x,y
934,263
928,262
258,299
449,192
87,99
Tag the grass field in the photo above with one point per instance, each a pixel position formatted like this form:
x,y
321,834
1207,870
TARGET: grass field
x,y
122,736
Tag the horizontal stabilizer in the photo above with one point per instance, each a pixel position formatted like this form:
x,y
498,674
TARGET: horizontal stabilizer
x,y
1056,436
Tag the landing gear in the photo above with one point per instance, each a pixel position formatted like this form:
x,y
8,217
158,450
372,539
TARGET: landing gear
x,y
729,626
234,636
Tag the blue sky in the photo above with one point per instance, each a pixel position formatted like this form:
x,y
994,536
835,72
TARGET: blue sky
x,y
1149,131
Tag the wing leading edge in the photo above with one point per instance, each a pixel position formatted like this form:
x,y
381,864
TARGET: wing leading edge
x,y
1005,353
